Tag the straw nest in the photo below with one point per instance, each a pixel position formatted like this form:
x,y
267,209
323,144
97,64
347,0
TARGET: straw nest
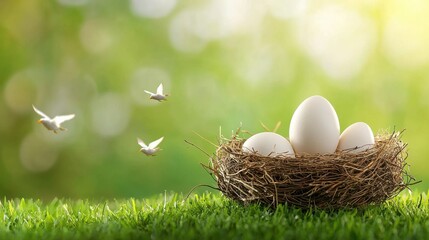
x,y
339,180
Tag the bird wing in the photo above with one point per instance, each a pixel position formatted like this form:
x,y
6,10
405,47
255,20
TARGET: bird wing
x,y
141,143
160,89
151,93
60,119
154,144
40,112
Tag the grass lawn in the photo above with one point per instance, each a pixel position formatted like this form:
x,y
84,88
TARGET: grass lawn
x,y
208,216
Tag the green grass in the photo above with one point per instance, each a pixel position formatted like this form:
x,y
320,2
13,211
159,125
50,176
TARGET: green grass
x,y
208,216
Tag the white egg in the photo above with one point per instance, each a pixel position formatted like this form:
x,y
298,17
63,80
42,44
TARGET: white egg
x,y
314,127
358,135
268,144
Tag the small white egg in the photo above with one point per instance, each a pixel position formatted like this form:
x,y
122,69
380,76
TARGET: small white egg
x,y
314,127
268,144
359,136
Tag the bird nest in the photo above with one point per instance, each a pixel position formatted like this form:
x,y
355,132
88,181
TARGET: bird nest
x,y
339,180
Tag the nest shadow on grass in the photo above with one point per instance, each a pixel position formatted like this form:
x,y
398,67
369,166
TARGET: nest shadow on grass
x,y
339,180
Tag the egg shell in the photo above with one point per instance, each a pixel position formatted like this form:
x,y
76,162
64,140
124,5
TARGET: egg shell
x,y
268,144
314,127
358,135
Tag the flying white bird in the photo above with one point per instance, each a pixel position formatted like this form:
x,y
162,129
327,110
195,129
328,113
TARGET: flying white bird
x,y
53,124
151,149
159,95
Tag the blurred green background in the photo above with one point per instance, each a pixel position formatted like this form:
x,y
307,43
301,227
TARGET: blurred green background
x,y
224,62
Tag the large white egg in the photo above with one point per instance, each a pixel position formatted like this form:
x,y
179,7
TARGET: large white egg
x,y
268,144
314,127
358,135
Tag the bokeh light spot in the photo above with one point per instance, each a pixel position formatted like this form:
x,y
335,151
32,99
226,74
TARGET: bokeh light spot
x,y
285,9
95,36
152,8
73,3
37,155
221,18
20,92
110,114
214,20
390,95
256,65
182,35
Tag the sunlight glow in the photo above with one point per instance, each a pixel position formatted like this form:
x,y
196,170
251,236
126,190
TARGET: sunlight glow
x,y
338,39
406,35
285,9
